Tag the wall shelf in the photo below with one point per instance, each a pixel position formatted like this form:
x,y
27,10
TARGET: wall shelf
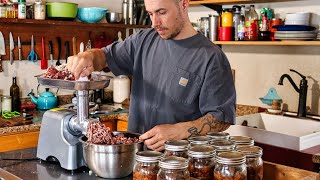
x,y
269,43
222,2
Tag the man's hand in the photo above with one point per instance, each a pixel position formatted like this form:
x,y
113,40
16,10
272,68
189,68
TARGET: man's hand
x,y
83,64
156,137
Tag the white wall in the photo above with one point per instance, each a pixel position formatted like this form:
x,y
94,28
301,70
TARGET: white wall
x,y
257,67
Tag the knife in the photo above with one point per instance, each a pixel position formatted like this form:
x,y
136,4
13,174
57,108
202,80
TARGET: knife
x,y
11,47
2,50
51,53
19,47
67,46
74,46
81,47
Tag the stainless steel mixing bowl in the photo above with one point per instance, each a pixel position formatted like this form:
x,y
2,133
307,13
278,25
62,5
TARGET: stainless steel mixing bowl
x,y
111,161
113,17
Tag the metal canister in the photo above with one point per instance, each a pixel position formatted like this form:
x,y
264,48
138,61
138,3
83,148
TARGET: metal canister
x,y
213,27
125,11
204,26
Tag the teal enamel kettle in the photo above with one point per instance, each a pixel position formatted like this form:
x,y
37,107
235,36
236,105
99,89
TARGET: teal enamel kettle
x,y
46,100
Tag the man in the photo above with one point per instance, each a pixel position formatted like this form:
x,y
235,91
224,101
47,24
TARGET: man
x,y
182,83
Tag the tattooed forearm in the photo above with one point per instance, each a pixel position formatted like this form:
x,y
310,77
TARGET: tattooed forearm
x,y
205,124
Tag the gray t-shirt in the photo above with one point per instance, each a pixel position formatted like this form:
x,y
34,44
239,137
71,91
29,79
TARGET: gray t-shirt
x,y
173,80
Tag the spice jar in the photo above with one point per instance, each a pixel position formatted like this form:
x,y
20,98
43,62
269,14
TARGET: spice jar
x,y
223,146
218,135
231,166
40,10
121,88
242,140
6,103
173,168
254,161
199,140
177,148
201,162
226,18
3,10
147,165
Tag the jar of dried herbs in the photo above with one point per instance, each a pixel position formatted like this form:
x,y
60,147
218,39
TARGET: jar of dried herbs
x,y
173,168
147,165
177,148
253,160
231,166
201,162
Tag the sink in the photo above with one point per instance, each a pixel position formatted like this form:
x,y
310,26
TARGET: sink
x,y
277,130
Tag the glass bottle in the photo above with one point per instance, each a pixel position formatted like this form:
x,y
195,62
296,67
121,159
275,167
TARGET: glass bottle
x,y
22,9
252,24
236,17
177,148
231,166
199,140
242,140
201,162
147,165
6,103
264,34
254,161
223,146
173,168
218,135
15,95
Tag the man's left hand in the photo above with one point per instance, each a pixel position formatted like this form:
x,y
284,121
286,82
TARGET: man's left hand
x,y
156,137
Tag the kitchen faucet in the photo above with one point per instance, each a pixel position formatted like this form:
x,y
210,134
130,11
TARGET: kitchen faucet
x,y
302,91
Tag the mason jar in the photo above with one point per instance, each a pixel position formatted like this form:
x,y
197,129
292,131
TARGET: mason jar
x,y
177,148
242,140
173,168
254,161
6,103
199,141
218,135
231,166
223,146
201,162
147,165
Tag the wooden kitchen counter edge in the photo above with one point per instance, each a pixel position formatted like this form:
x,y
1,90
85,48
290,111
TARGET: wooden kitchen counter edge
x,y
19,140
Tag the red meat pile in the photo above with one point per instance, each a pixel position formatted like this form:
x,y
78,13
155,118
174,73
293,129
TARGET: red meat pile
x,y
59,72
98,133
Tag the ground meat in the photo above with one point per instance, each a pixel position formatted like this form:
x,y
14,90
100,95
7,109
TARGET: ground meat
x,y
98,133
59,72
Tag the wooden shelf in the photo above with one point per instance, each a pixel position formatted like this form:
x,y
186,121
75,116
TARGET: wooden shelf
x,y
269,43
67,23
222,2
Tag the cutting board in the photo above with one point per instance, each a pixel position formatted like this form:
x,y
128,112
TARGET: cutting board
x,y
6,175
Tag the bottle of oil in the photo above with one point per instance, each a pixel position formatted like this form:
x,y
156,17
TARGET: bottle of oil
x,y
252,30
15,95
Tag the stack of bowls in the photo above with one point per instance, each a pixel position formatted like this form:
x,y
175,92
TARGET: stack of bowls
x,y
300,18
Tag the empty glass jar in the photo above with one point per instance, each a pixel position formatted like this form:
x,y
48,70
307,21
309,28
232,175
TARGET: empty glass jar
x,y
201,162
173,168
199,140
254,161
177,148
242,140
223,146
231,166
147,165
218,135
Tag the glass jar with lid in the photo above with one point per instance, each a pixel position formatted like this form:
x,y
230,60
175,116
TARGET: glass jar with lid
x,y
173,168
40,9
223,146
253,160
6,103
218,135
199,140
231,166
242,140
201,162
147,165
177,148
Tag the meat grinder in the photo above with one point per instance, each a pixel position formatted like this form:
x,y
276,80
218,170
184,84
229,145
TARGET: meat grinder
x,y
61,128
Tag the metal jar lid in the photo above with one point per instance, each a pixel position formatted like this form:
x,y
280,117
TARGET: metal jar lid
x,y
199,140
6,97
223,145
218,135
231,158
173,162
176,145
242,140
201,152
250,151
148,156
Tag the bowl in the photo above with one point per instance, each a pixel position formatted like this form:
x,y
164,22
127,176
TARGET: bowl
x,y
91,14
61,10
113,17
111,161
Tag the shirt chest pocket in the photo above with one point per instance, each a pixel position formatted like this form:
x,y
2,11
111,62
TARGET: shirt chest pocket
x,y
183,86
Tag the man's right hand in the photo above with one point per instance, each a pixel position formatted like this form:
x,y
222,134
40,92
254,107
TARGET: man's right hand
x,y
83,64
